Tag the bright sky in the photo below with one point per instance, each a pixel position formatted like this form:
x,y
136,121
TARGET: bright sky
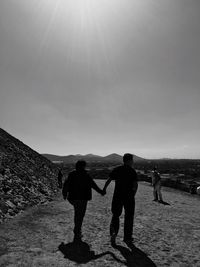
x,y
99,76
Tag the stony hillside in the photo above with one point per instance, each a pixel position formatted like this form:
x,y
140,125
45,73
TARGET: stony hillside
x,y
26,177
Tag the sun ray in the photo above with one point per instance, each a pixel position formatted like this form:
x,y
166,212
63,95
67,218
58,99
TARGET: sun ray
x,y
50,24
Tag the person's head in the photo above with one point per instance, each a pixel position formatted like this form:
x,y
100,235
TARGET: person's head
x,y
80,165
128,159
154,168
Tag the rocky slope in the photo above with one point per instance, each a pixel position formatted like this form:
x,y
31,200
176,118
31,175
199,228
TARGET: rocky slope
x,y
26,177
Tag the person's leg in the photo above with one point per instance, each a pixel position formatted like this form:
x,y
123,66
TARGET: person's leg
x,y
79,213
155,194
116,211
159,192
129,207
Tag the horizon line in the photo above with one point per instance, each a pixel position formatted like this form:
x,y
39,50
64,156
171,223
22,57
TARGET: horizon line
x,y
160,158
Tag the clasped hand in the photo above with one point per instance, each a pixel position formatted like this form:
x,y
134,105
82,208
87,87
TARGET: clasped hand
x,y
103,192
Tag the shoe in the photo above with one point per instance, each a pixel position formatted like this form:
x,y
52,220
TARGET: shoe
x,y
156,200
113,239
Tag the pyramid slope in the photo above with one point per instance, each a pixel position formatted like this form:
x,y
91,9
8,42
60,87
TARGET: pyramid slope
x,y
26,177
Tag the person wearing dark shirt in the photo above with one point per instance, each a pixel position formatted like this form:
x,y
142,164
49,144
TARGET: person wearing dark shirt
x,y
126,185
77,189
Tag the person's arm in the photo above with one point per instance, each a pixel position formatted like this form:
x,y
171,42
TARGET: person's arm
x,y
112,176
96,188
107,184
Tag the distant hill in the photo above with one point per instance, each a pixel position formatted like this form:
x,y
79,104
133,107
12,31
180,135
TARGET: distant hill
x,y
89,158
26,177
113,157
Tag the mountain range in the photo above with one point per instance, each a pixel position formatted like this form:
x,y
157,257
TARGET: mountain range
x,y
89,158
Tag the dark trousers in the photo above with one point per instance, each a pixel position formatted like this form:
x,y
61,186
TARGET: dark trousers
x,y
157,191
80,207
129,207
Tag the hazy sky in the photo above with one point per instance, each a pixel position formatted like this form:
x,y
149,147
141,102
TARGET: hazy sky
x,y
99,76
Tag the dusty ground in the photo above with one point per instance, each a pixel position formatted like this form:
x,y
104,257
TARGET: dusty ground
x,y
165,235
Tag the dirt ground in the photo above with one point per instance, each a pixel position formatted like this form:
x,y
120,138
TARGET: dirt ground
x,y
165,235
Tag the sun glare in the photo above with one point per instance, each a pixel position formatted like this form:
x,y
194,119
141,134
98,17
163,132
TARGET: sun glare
x,y
87,15
80,21
84,13
83,28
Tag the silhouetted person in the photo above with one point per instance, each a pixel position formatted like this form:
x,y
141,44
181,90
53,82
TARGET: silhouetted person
x,y
156,182
124,197
78,190
60,176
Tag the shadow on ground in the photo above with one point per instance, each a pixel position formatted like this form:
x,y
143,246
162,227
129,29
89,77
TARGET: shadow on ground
x,y
134,256
165,203
79,252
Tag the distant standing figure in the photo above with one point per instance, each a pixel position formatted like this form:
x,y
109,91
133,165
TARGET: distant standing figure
x,y
126,185
60,176
78,190
156,182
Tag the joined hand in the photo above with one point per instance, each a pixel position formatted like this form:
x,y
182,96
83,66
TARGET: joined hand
x,y
103,192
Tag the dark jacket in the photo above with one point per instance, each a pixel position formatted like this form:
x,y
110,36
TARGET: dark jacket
x,y
78,186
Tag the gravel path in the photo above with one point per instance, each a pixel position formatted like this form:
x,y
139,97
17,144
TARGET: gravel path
x,y
165,235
